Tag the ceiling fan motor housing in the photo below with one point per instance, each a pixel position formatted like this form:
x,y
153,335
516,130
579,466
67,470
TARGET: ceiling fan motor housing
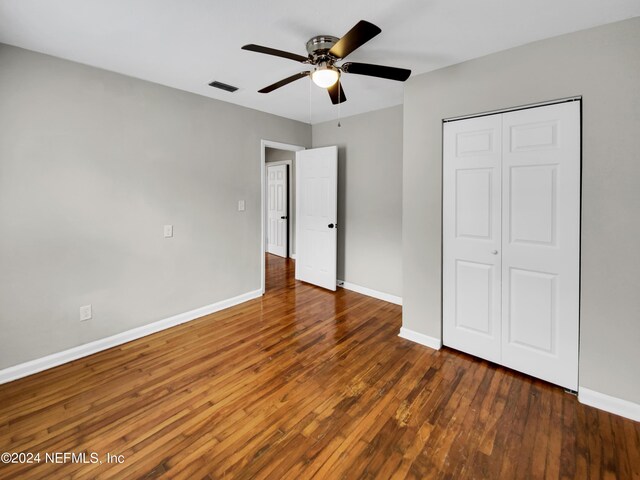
x,y
319,46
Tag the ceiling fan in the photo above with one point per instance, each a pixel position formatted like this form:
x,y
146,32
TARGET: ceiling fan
x,y
324,51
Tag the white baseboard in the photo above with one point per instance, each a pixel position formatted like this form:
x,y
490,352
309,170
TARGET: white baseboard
x,y
293,255
34,366
387,297
610,404
420,338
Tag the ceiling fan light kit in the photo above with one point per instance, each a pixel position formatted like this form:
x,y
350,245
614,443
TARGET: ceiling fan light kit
x,y
325,75
323,53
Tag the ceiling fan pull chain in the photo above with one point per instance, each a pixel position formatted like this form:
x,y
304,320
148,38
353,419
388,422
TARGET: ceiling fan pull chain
x,y
310,81
339,102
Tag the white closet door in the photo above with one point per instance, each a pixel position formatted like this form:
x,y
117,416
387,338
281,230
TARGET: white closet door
x,y
471,236
541,241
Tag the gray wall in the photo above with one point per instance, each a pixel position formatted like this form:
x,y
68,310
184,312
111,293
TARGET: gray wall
x,y
92,165
370,209
603,65
277,155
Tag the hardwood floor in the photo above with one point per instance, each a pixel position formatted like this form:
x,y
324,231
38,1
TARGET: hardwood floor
x,y
304,383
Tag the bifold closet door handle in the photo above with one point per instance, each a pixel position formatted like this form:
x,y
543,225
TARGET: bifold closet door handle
x,y
494,252
283,218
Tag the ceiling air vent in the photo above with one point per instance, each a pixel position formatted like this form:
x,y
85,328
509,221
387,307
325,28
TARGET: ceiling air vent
x,y
223,86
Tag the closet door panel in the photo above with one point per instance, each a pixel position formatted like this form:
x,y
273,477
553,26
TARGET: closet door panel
x,y
471,236
540,242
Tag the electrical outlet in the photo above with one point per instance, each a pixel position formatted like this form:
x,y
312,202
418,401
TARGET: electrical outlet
x,y
85,313
241,205
168,231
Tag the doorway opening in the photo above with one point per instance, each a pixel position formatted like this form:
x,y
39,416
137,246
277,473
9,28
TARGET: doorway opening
x,y
277,173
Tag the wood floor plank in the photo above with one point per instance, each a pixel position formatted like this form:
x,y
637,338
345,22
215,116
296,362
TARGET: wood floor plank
x,y
305,383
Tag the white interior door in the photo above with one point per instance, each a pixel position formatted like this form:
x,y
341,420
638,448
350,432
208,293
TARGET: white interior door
x,y
277,210
541,242
471,236
511,239
316,216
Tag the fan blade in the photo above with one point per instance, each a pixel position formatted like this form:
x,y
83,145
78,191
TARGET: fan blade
x,y
360,34
390,73
336,92
284,82
272,51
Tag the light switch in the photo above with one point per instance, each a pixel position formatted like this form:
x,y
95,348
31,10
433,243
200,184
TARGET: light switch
x,y
168,231
241,205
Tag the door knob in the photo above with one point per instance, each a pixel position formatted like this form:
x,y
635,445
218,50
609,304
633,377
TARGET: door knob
x,y
283,218
331,225
494,252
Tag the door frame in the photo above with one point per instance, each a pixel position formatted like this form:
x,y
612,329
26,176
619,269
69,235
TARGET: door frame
x,y
289,201
263,205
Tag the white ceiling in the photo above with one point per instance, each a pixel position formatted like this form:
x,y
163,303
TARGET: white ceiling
x,y
186,44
